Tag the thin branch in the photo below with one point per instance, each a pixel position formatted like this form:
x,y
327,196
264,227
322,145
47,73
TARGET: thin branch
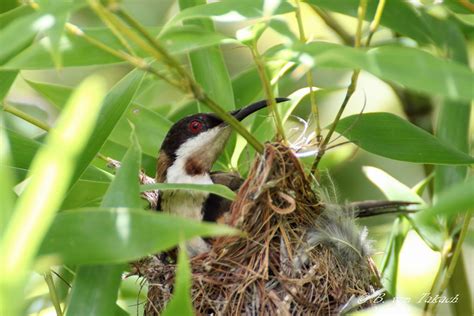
x,y
309,77
187,84
41,125
52,293
268,92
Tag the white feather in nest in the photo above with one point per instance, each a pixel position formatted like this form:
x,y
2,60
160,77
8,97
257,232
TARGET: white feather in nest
x,y
336,229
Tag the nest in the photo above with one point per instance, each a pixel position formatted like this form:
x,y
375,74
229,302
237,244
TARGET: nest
x,y
297,257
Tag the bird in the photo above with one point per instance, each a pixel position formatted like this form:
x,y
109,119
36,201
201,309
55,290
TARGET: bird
x,y
187,155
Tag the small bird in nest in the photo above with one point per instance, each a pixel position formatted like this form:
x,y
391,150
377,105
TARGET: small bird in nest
x,y
187,155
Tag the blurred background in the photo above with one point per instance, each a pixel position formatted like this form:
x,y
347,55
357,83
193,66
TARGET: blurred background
x,y
418,263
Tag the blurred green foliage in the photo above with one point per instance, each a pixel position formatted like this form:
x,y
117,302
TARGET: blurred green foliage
x,y
75,88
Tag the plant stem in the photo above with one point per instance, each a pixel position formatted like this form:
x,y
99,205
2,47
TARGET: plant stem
x,y
309,77
187,84
355,75
280,132
468,5
350,90
26,117
449,258
41,125
375,22
52,293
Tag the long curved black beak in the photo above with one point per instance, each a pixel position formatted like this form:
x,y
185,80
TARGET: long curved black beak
x,y
242,113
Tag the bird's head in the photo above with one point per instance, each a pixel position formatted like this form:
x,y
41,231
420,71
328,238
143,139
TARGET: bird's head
x,y
194,143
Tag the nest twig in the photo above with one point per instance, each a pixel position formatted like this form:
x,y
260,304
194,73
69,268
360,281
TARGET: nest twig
x,y
274,270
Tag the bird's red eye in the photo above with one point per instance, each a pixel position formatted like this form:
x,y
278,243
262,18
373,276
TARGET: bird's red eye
x,y
195,126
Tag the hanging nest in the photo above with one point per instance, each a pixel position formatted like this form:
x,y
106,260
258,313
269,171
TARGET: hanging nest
x,y
297,257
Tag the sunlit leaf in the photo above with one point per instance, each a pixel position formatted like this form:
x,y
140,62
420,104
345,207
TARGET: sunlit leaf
x,y
7,197
50,174
180,303
395,190
391,187
390,136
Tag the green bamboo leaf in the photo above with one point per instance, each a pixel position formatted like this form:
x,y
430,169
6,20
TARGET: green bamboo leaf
x,y
459,198
390,136
50,178
115,104
7,197
57,95
150,127
76,52
7,77
85,193
180,303
29,24
60,10
410,67
389,266
8,5
12,15
392,188
114,235
396,191
100,284
398,15
217,189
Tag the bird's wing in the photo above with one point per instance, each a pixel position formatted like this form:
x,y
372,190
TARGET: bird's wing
x,y
216,207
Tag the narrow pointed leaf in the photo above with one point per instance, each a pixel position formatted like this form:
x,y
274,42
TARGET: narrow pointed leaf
x,y
390,136
114,106
457,199
114,235
100,283
410,67
217,189
180,303
50,174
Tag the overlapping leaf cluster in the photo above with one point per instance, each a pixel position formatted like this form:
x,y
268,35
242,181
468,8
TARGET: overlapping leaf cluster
x,y
67,208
